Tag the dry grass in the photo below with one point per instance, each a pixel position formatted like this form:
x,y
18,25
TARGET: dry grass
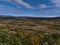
x,y
29,32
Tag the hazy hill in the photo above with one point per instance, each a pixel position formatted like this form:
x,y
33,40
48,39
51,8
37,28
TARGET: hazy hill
x,y
35,18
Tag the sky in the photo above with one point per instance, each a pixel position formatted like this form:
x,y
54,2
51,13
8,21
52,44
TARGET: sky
x,y
31,8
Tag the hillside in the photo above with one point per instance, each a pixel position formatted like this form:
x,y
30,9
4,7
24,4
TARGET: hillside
x,y
29,30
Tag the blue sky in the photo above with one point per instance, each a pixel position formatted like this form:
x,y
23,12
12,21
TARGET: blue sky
x,y
36,8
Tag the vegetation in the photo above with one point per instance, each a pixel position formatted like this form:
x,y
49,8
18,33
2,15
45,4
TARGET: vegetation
x,y
29,32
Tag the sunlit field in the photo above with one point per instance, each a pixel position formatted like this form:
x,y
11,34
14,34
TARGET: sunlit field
x,y
26,31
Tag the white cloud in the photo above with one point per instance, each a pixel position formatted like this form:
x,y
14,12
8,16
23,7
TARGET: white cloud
x,y
51,11
5,9
56,3
20,2
42,6
52,16
26,5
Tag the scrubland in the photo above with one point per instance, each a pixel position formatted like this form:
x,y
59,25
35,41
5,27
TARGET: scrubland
x,y
29,32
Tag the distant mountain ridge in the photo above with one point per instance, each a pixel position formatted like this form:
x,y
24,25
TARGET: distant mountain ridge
x,y
36,18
